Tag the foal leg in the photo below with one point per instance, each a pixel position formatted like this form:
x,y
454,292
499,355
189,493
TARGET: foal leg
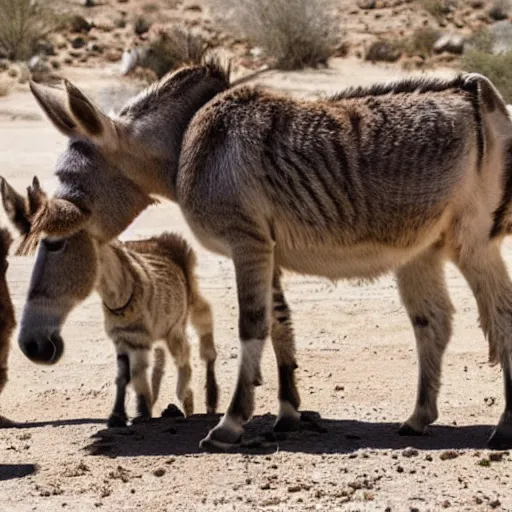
x,y
283,341
202,320
180,350
118,417
254,263
139,362
487,276
422,288
158,372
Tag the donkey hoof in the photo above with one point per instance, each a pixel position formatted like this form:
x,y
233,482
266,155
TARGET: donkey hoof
x,y
141,419
501,438
223,437
117,420
406,430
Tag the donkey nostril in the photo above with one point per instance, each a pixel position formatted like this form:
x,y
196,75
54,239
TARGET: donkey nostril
x,y
32,349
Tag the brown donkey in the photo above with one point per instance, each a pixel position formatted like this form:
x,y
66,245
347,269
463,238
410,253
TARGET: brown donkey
x,y
154,281
7,318
398,177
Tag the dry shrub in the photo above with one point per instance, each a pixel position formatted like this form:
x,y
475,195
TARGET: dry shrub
x,y
174,47
499,10
23,23
498,68
421,42
383,51
438,8
295,33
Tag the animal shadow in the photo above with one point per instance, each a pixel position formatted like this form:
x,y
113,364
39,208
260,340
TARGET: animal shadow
x,y
11,471
181,436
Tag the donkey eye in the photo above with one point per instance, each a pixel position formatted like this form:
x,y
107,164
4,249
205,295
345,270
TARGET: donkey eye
x,y
54,245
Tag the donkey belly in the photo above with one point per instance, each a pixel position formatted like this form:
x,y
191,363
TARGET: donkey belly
x,y
360,262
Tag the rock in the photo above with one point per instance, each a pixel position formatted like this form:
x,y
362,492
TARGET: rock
x,y
45,48
79,24
497,456
501,33
94,47
159,472
477,4
448,455
451,43
89,3
498,13
113,55
366,4
494,503
37,64
78,42
410,452
382,51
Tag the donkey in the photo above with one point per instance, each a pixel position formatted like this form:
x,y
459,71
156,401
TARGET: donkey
x,y
155,282
7,318
21,211
397,177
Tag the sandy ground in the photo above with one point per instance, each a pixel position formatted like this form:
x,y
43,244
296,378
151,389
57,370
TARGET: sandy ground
x,y
357,368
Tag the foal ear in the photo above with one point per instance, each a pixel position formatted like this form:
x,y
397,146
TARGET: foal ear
x,y
92,122
59,218
54,106
36,196
15,207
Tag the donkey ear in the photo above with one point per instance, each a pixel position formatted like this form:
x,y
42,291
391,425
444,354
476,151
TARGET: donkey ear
x,y
55,108
59,217
92,122
15,206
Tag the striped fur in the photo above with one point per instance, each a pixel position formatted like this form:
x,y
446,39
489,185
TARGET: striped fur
x,y
400,177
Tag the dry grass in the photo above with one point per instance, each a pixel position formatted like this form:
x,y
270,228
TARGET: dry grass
x,y
23,23
438,8
174,47
498,68
421,42
294,33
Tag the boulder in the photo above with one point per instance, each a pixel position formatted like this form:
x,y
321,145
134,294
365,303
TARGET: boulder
x,y
451,43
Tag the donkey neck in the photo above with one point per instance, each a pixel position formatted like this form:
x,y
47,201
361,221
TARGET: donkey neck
x,y
116,283
159,118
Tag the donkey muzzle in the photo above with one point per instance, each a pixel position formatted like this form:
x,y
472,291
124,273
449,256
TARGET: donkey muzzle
x,y
42,348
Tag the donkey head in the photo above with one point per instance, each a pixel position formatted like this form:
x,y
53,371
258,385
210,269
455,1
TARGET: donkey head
x,y
21,212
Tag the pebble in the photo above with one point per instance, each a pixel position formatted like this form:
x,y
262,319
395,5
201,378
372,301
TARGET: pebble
x,y
410,452
159,472
448,455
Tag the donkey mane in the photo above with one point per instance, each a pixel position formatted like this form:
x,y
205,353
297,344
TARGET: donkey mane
x,y
407,86
173,82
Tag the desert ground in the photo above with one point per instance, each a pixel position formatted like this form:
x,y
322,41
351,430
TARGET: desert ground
x,y
357,369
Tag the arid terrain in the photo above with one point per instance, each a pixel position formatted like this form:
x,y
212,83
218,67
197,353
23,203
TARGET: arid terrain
x,y
356,350
357,369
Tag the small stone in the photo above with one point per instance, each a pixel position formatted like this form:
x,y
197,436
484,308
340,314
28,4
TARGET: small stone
x,y
477,4
448,455
338,387
495,503
429,458
410,452
399,469
498,13
294,488
446,504
366,4
159,472
78,42
496,456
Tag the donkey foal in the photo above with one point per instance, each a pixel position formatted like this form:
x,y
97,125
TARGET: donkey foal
x,y
149,290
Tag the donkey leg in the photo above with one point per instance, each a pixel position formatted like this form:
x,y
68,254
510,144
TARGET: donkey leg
x,y
180,350
487,276
202,320
254,269
118,417
423,292
139,363
283,341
